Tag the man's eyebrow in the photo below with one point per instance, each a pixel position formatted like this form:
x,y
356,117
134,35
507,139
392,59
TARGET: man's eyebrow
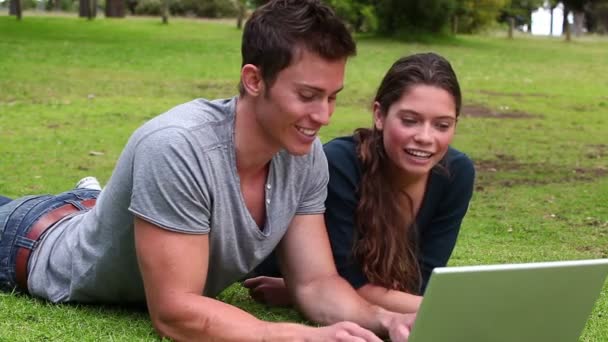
x,y
317,89
338,90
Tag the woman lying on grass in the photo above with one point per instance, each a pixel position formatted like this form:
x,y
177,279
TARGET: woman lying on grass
x,y
397,192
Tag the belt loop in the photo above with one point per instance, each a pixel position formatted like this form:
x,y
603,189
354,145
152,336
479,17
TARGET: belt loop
x,y
77,204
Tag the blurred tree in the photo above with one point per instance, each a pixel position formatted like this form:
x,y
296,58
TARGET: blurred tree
x,y
576,8
115,8
242,12
53,5
419,16
552,4
87,9
473,15
164,11
197,8
413,16
524,9
596,15
360,15
132,5
519,12
15,8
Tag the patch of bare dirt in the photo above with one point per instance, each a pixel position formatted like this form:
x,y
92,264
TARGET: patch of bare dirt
x,y
479,111
599,252
582,108
596,151
507,171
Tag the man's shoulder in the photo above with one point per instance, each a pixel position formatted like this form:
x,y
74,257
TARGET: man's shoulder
x,y
198,113
208,122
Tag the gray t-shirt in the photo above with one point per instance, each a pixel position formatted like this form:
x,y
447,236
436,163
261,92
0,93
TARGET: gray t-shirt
x,y
177,171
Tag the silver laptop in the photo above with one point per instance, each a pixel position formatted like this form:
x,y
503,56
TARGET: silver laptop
x,y
534,302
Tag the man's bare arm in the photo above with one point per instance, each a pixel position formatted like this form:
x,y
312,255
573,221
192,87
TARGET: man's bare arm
x,y
174,269
325,297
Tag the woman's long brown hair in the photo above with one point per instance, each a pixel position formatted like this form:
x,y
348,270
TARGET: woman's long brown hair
x,y
387,238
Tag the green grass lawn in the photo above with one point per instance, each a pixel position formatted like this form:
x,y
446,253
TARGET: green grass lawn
x,y
534,122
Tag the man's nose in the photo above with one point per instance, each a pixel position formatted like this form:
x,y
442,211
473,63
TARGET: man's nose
x,y
323,113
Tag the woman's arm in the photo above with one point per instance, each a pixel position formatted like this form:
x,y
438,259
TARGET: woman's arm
x,y
319,292
392,300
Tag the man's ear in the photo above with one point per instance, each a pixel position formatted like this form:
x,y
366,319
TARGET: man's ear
x,y
252,80
378,116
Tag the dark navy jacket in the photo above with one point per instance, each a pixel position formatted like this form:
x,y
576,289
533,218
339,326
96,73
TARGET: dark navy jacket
x,y
438,220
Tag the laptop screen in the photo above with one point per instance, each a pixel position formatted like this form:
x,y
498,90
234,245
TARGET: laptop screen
x,y
549,301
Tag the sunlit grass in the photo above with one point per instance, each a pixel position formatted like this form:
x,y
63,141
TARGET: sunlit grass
x,y
69,87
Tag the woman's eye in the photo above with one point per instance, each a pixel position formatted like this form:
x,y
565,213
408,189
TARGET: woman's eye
x,y
409,122
443,125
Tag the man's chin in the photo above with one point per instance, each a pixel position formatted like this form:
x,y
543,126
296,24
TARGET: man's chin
x,y
299,150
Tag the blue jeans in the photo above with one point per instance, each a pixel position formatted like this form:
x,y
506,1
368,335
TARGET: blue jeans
x,y
16,220
4,200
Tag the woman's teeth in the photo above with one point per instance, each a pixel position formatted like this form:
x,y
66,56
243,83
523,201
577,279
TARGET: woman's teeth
x,y
419,154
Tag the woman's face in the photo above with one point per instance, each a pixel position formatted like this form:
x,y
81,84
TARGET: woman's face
x,y
418,128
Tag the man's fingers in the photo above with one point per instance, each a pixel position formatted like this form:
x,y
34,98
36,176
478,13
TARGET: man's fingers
x,y
400,333
345,336
404,332
362,333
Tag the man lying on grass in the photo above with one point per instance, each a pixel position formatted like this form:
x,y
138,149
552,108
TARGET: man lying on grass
x,y
203,193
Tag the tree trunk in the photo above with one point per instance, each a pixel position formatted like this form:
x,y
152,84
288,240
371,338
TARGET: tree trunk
x,y
15,8
511,26
454,24
241,16
551,23
87,9
566,24
115,8
164,11
579,21
91,9
132,4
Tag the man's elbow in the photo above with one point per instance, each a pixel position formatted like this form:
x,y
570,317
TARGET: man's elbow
x,y
166,324
178,324
308,298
